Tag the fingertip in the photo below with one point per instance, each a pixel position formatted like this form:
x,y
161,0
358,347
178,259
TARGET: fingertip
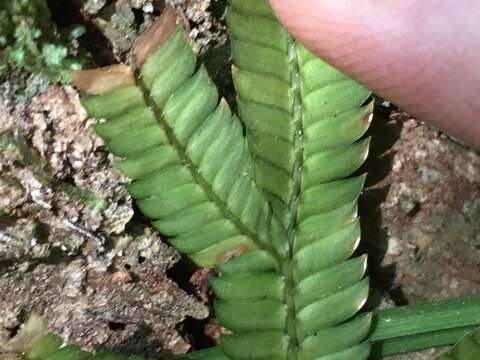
x,y
324,26
404,50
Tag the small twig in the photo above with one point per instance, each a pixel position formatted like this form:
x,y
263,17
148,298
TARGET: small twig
x,y
100,240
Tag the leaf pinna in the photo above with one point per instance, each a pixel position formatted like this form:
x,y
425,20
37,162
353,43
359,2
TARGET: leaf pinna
x,y
274,211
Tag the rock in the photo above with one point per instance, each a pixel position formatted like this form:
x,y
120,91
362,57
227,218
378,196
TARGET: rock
x,y
68,246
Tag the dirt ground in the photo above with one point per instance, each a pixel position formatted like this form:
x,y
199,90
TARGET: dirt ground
x,y
74,248
420,215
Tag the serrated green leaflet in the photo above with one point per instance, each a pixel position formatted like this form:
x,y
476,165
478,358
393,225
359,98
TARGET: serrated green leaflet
x,y
274,211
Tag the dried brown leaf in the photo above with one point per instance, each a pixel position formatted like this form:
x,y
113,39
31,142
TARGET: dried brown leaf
x,y
102,80
155,36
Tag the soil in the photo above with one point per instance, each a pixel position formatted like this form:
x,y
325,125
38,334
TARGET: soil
x,y
74,248
420,215
70,246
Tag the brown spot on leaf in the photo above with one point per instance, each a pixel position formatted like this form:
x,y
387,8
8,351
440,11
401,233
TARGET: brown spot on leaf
x,y
233,253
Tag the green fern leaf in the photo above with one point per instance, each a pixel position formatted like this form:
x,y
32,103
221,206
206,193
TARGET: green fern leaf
x,y
277,216
302,116
187,157
303,120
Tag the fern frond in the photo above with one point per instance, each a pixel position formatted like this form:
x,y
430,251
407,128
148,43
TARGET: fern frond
x,y
187,157
303,120
281,228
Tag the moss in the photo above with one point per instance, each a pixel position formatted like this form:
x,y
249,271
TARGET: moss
x,y
30,44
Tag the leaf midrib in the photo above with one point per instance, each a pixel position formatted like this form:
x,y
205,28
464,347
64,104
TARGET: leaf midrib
x,y
286,262
196,175
293,205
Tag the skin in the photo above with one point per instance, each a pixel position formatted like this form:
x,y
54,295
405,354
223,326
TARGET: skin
x,y
424,55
